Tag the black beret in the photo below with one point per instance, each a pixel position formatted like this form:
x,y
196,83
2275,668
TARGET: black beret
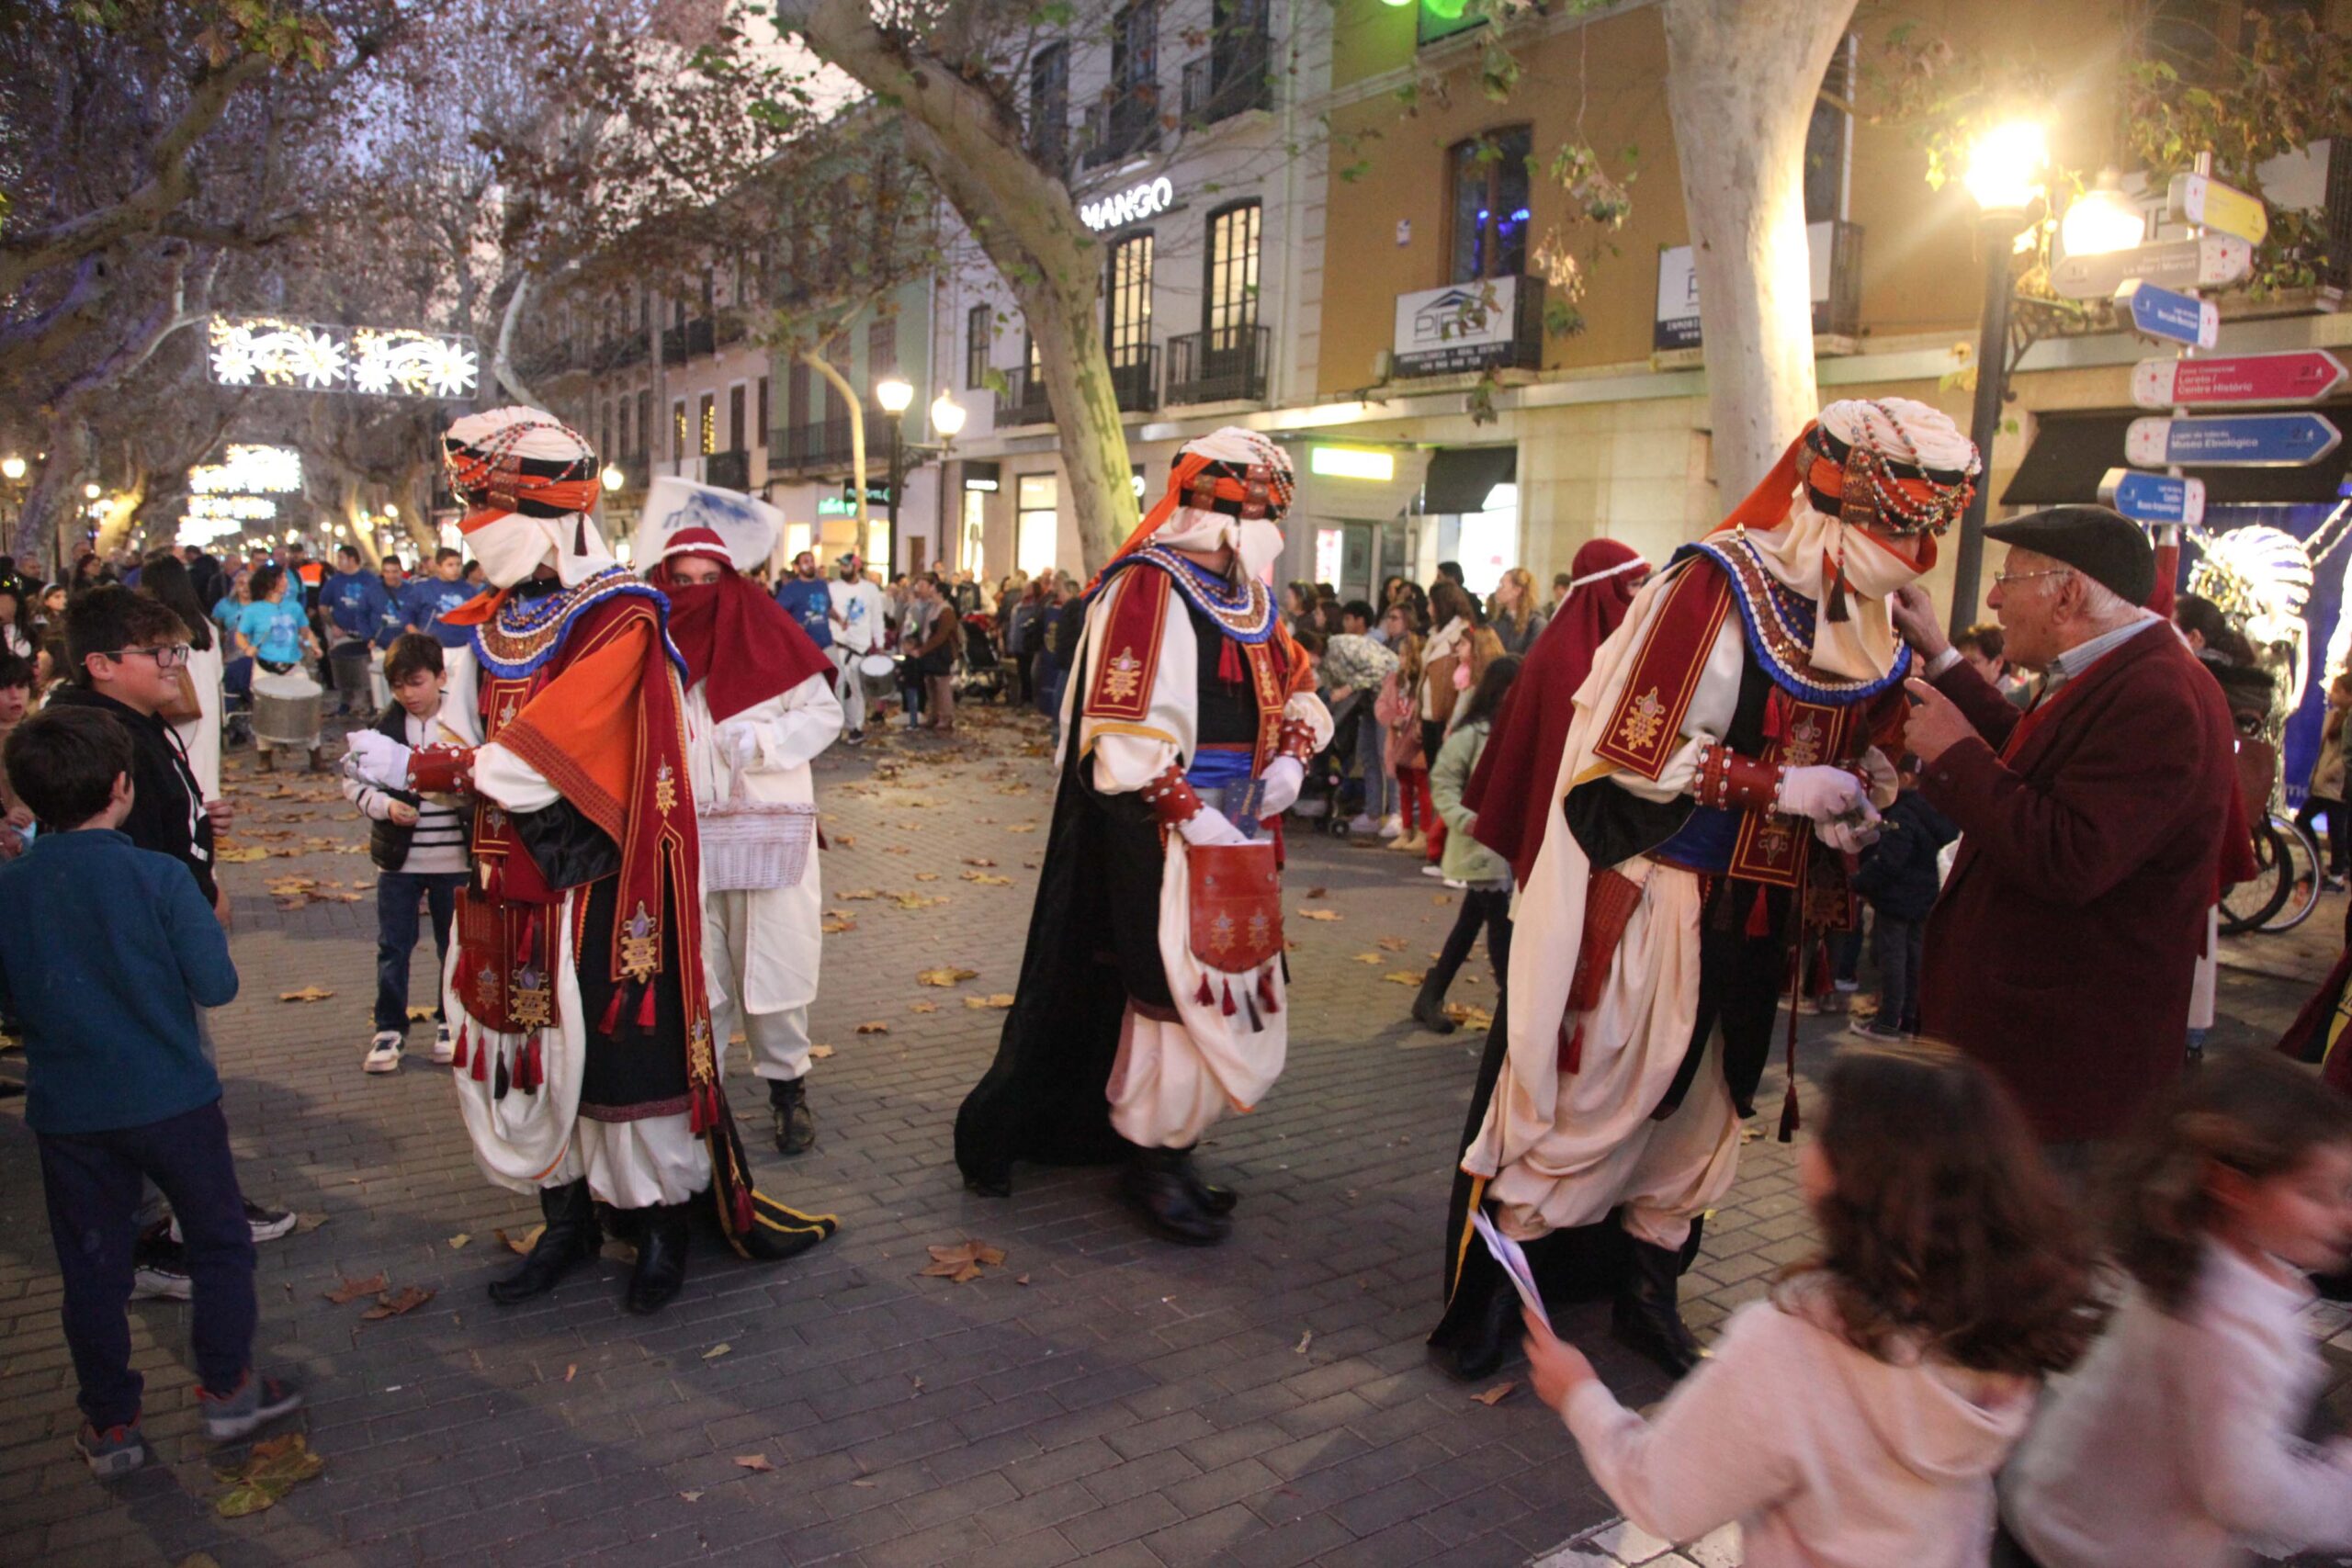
x,y
2104,545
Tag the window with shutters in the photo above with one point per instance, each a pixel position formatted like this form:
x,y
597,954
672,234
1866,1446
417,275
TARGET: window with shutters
x,y
736,395
1128,301
978,324
678,428
706,431
1230,302
1490,207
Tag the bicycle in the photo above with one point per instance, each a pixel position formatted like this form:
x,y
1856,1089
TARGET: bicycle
x,y
2286,881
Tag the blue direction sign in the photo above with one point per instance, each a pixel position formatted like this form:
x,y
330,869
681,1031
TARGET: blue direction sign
x,y
2153,498
2235,440
2161,312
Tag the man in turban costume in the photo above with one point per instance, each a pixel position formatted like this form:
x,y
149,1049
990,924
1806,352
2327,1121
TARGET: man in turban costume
x,y
1152,996
1723,754
586,1066
755,719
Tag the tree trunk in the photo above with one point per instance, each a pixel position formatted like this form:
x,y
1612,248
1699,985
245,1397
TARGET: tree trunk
x,y
1741,80
856,407
1022,216
501,364
52,503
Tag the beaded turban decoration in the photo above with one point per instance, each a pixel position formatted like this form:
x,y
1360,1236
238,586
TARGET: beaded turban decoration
x,y
1230,488
1892,466
523,471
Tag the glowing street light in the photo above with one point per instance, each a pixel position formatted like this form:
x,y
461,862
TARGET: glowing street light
x,y
91,491
946,416
613,478
12,468
391,509
2102,220
2005,165
895,396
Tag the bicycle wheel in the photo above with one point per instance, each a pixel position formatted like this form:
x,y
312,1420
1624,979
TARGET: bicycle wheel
x,y
2246,905
2302,880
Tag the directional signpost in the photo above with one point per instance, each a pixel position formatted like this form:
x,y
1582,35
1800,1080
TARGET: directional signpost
x,y
2161,312
2153,498
2214,261
2301,376
2205,201
2231,441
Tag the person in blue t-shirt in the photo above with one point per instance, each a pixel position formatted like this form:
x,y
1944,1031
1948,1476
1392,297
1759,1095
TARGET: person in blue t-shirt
x,y
272,627
809,600
430,598
392,620
352,601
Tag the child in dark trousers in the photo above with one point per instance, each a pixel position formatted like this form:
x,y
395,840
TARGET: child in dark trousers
x,y
418,843
107,982
1898,880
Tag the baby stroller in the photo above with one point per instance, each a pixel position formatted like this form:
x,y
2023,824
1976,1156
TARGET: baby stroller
x,y
981,672
1328,796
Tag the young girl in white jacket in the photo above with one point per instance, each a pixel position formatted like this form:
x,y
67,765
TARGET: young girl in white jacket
x,y
2176,1444
1856,1417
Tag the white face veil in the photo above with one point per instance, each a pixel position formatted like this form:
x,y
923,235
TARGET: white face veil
x,y
1180,521
533,481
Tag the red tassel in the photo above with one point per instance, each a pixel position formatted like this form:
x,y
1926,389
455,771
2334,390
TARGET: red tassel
x,y
1571,1048
534,1071
1229,661
457,1060
612,1019
743,1211
1759,916
496,887
482,1049
1790,1121
1205,997
645,1008
1833,574
531,933
499,1084
1229,998
1266,991
580,535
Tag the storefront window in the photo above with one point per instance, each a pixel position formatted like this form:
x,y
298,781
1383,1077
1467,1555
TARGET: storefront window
x,y
1037,523
1487,542
973,555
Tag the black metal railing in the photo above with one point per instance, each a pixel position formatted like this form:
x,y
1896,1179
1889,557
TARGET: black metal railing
x,y
1220,85
1023,400
693,341
1223,366
823,446
1123,122
1456,332
1136,383
1841,314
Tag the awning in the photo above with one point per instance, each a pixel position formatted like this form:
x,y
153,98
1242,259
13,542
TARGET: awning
x,y
1460,477
2072,451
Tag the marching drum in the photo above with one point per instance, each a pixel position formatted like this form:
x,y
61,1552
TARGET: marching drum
x,y
286,709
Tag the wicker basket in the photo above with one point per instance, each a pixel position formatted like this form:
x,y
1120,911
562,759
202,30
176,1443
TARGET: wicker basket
x,y
749,845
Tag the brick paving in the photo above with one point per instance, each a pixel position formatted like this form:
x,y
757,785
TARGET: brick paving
x,y
1101,1397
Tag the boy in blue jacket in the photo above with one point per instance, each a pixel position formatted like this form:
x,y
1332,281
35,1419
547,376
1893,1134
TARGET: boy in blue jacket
x,y
1898,878
107,983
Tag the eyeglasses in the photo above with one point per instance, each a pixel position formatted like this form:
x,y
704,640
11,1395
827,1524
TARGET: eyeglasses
x,y
2003,579
171,655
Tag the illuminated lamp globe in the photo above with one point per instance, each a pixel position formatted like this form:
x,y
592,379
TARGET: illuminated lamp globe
x,y
12,468
612,478
2005,165
391,509
91,491
895,396
2102,220
946,415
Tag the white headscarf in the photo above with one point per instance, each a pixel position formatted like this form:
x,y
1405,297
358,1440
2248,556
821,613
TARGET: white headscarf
x,y
512,545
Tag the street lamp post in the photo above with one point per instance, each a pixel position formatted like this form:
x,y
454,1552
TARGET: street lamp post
x,y
895,397
2005,178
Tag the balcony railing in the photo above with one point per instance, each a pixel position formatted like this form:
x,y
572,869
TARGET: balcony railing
x,y
825,446
1218,86
1123,122
693,341
1223,365
1136,383
1023,401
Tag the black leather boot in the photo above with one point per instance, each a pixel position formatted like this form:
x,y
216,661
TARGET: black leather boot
x,y
1494,1333
1159,1183
1219,1201
571,1237
1644,1317
796,1124
661,1259
1428,1007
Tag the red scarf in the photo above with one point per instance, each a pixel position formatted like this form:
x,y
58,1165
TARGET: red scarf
x,y
1510,789
767,653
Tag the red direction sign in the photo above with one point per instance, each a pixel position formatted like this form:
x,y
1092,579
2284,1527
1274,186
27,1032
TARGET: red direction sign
x,y
2301,376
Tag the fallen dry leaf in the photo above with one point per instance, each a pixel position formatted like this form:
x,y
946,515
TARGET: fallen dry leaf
x,y
1496,1394
962,1262
1393,943
305,1223
1442,899
981,860
307,994
846,841
240,854
978,1004
946,977
1317,892
1371,958
522,1244
274,1467
926,876
420,1015
987,879
716,1351
459,1240
348,1290
856,893
835,926
398,1304
873,1026
1303,1341
690,1496
924,1007
571,1371
1404,976
820,1051
754,1462
1020,826
1319,915
1021,1279
918,900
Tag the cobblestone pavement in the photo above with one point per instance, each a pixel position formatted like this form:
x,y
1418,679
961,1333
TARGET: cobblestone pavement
x,y
1100,1397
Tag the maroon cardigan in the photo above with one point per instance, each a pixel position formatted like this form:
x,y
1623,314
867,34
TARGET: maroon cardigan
x,y
2061,950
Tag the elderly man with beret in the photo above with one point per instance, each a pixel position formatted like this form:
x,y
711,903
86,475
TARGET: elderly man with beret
x,y
2094,826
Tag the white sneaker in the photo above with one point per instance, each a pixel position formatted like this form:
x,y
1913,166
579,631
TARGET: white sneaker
x,y
1432,869
383,1053
1392,826
1362,823
445,1045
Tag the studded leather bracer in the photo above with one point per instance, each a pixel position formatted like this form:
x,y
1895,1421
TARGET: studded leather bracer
x,y
1171,798
1727,778
1296,739
441,770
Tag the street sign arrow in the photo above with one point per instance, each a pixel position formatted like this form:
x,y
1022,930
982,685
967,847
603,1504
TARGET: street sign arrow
x,y
2301,376
2231,441
2160,312
2208,203
2214,261
2153,498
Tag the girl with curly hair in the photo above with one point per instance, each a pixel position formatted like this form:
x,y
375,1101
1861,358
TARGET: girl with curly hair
x,y
2178,1445
1855,1418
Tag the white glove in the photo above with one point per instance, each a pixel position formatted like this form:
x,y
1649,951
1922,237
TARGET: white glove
x,y
1209,826
1283,779
1885,782
738,743
374,759
1823,793
1849,837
